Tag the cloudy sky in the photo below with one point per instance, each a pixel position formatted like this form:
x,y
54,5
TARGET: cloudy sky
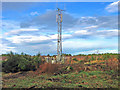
x,y
32,28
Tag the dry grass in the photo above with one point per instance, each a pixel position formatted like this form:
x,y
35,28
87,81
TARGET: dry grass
x,y
47,68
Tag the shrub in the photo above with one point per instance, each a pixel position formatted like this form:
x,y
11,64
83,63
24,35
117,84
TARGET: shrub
x,y
92,58
21,62
69,68
75,59
99,58
47,68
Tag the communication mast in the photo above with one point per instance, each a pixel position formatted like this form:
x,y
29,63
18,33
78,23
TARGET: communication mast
x,y
59,40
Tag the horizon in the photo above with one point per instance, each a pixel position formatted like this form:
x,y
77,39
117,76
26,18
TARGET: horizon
x,y
31,27
68,54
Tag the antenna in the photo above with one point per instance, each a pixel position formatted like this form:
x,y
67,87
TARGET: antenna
x,y
56,4
59,40
64,7
59,20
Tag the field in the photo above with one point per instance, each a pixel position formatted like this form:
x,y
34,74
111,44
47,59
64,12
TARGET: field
x,y
90,71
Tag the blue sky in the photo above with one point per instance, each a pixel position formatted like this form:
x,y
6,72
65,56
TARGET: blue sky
x,y
32,28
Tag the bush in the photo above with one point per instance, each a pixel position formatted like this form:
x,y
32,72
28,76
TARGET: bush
x,y
92,58
23,62
75,59
47,68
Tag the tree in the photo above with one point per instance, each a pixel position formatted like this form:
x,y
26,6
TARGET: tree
x,y
38,54
48,55
16,63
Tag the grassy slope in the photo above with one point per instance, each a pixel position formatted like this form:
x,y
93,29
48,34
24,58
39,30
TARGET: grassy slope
x,y
105,78
93,79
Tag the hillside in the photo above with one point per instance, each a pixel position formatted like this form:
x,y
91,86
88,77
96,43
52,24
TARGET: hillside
x,y
96,71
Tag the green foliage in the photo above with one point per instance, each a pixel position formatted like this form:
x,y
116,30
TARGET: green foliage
x,y
92,58
69,68
86,58
81,55
103,62
75,59
118,57
4,55
37,61
99,58
48,55
66,54
106,57
21,62
54,55
81,61
111,72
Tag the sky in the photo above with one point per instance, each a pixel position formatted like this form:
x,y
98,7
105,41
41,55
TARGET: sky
x,y
31,27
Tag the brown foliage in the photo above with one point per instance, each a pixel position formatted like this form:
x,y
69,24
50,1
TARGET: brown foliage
x,y
103,65
112,63
47,68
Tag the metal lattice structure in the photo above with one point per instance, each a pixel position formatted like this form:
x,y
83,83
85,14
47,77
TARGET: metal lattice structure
x,y
59,40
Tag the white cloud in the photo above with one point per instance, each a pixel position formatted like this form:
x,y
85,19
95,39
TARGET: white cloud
x,y
109,51
13,32
34,13
9,25
108,33
64,36
88,52
38,43
113,7
31,38
91,27
96,33
43,38
83,32
0,35
89,44
97,51
4,48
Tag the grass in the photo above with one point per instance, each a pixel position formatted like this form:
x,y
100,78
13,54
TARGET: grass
x,y
100,72
91,79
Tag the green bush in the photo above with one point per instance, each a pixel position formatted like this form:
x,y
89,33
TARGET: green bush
x,y
106,57
92,58
99,58
23,62
75,59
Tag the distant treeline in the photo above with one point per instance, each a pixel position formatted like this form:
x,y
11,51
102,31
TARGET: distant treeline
x,y
71,54
97,54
